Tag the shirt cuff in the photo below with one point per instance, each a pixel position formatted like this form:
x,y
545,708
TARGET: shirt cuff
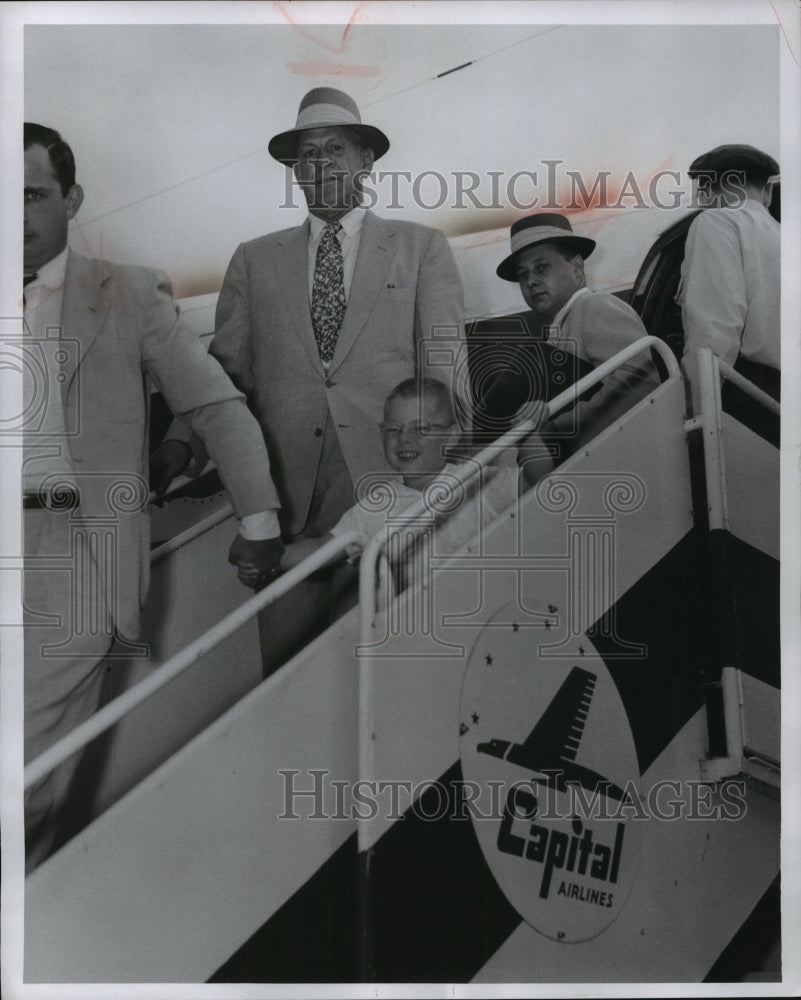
x,y
260,526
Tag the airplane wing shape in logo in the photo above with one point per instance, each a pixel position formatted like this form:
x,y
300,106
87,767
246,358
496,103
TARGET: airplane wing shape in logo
x,y
552,744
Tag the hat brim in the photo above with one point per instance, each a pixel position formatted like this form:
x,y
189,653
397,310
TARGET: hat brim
x,y
284,146
581,244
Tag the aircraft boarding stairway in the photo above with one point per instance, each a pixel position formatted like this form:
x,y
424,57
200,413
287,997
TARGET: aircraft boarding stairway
x,y
578,636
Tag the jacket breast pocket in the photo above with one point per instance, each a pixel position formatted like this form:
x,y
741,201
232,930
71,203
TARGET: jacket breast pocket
x,y
399,295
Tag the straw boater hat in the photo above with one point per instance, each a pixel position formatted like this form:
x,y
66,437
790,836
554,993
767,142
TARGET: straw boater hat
x,y
756,165
542,227
325,107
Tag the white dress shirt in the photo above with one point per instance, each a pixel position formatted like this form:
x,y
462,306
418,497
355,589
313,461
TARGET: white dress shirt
x,y
730,281
47,450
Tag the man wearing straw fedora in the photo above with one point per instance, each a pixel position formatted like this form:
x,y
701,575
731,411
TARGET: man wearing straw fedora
x,y
318,322
547,261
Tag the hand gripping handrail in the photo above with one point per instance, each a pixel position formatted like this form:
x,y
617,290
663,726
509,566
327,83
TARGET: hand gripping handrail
x,y
120,706
417,516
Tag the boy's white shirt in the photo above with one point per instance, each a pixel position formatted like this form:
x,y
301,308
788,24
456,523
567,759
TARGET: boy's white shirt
x,y
452,528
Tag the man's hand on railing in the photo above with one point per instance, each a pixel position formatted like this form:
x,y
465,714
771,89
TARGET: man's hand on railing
x,y
257,562
120,706
166,463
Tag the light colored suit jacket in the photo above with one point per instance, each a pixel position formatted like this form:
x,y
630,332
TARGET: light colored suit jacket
x,y
597,326
121,325
405,313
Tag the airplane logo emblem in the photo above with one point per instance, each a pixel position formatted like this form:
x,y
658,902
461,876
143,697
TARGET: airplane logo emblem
x,y
552,744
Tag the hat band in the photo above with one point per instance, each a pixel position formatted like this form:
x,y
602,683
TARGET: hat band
x,y
539,234
320,115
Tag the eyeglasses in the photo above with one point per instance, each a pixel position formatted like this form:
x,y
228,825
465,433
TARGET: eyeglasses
x,y
416,428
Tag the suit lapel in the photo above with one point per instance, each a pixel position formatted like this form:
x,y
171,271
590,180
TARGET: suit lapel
x,y
292,266
83,309
369,276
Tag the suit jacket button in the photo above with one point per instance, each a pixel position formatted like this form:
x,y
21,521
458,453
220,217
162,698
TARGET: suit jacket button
x,y
318,432
328,383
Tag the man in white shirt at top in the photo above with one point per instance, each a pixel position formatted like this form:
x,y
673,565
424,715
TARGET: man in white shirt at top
x,y
730,279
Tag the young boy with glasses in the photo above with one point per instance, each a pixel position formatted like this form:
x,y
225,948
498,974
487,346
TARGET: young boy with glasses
x,y
418,431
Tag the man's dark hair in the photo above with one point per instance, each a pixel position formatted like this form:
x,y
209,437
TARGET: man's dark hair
x,y
59,152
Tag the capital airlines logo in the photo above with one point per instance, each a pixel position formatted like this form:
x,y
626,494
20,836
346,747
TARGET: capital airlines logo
x,y
550,753
554,736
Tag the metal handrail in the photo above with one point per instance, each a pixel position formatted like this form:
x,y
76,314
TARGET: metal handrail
x,y
179,482
724,725
195,530
190,534
729,373
712,372
418,515
709,421
126,702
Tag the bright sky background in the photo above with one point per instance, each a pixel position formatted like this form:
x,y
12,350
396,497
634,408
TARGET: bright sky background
x,y
169,123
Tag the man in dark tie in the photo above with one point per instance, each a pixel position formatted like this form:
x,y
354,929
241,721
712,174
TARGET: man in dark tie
x,y
317,323
93,331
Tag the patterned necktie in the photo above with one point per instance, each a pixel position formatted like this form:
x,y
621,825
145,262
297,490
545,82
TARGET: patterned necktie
x,y
328,293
